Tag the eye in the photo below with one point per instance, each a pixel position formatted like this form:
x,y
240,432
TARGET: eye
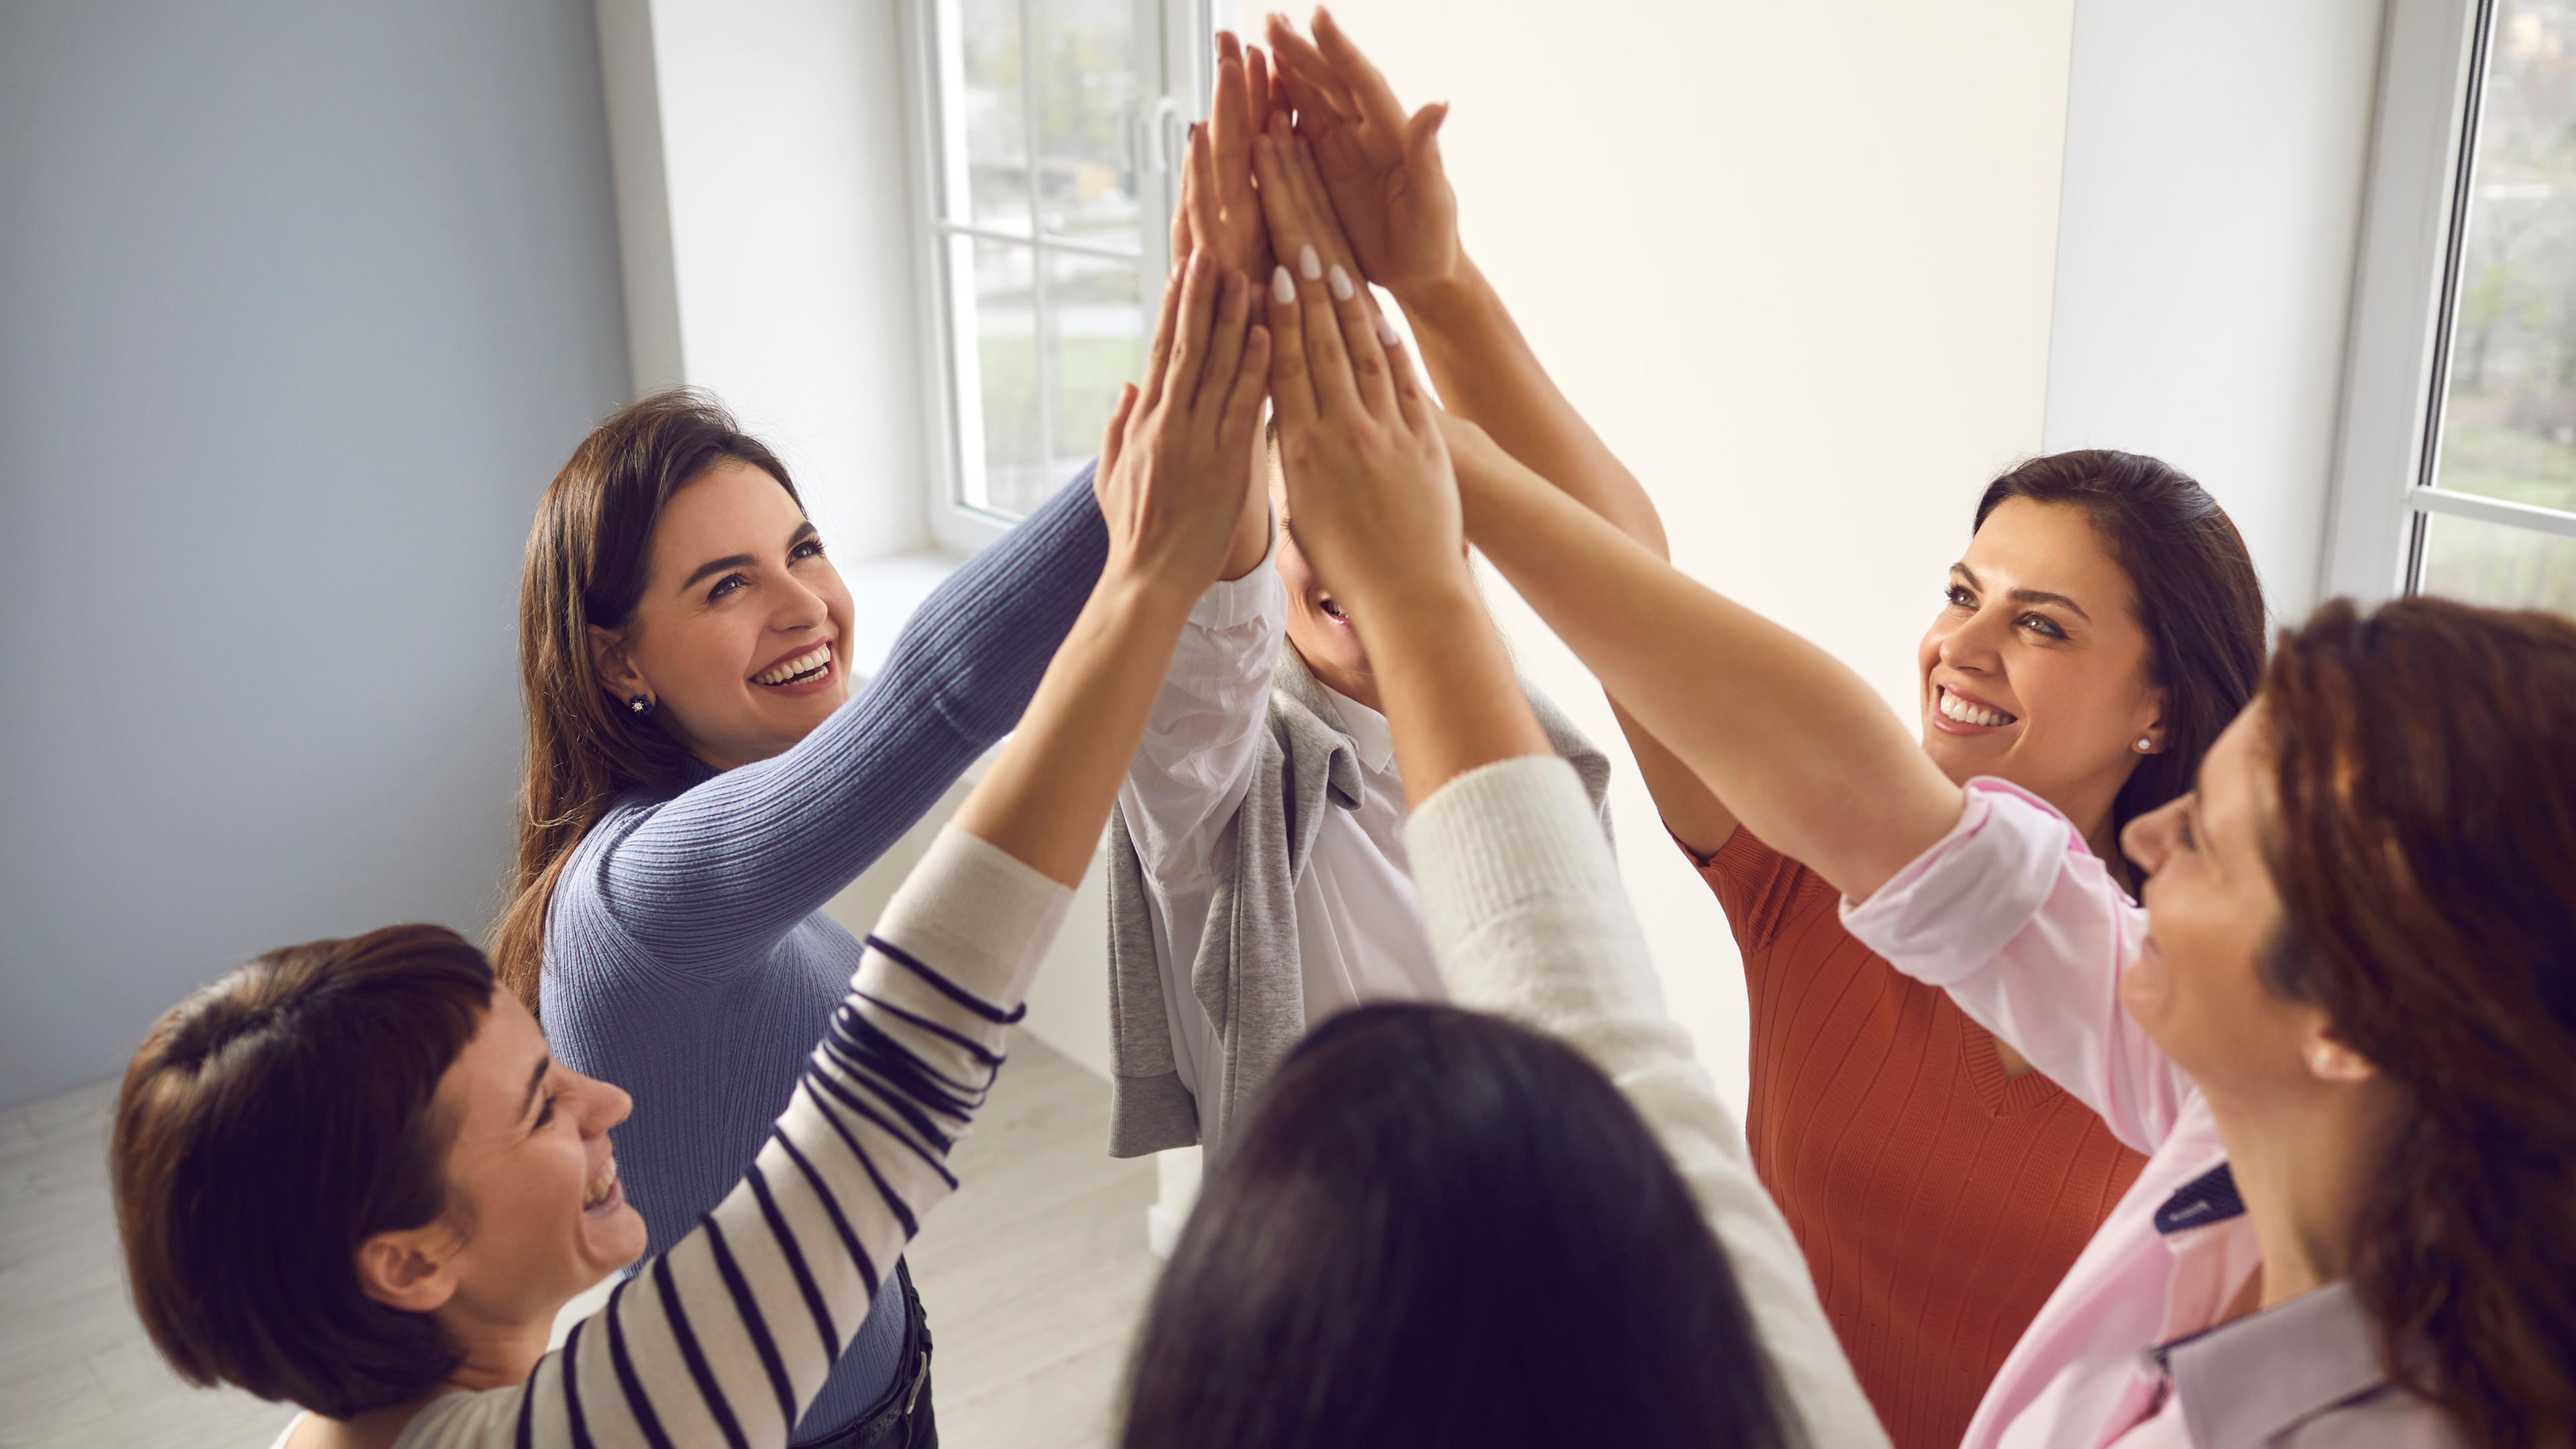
x,y
1959,597
810,548
545,1113
2183,834
726,585
2042,625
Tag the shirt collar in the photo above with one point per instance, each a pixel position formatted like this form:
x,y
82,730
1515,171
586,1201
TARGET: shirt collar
x,y
1368,730
2253,1380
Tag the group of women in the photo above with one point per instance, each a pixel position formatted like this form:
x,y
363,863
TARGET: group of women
x,y
2169,1047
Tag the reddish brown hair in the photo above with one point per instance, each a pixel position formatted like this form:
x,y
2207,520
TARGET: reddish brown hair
x,y
587,560
2197,597
270,1124
2425,850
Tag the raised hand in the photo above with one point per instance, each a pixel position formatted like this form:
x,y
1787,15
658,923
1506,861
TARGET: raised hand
x,y
1380,166
1170,479
1217,205
1368,477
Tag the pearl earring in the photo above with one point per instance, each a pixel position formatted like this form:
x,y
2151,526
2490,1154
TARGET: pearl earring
x,y
2145,744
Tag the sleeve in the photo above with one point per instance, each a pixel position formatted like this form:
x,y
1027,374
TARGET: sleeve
x,y
2016,919
724,1339
1203,739
1754,884
1528,919
715,874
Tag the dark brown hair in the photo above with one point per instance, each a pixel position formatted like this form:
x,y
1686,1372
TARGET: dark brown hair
x,y
2425,852
2197,598
1362,1265
269,1125
587,560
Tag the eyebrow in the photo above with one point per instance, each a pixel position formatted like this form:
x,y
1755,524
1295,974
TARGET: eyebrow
x,y
2026,596
536,1079
803,531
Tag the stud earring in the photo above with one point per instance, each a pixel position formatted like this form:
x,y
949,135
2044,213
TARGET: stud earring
x,y
2145,744
641,704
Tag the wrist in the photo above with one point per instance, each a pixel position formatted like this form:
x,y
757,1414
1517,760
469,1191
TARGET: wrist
x,y
1142,589
1432,591
1436,302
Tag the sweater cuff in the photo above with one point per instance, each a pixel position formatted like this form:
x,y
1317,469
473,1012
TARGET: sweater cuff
x,y
1503,835
976,915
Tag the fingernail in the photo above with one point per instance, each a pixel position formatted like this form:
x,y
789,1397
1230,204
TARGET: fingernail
x,y
1341,282
1281,287
1309,263
1386,331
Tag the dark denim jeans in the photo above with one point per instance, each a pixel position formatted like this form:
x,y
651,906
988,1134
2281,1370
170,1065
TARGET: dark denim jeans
x,y
902,1419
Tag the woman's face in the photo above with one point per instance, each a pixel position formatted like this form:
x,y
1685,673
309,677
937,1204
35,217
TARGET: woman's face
x,y
1320,631
2035,670
738,636
534,1203
2197,987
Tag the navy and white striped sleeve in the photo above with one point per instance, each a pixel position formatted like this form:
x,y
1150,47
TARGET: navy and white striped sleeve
x,y
725,1338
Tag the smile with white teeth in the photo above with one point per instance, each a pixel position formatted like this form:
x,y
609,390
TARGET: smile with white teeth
x,y
1954,708
600,1189
803,667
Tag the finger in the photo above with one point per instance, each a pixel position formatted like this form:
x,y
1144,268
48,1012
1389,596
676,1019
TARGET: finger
x,y
1184,240
1328,360
1190,331
1422,139
1256,90
1225,347
1315,204
1297,57
1113,439
1411,402
1364,82
1158,360
1242,414
1229,110
1199,195
1292,389
1361,341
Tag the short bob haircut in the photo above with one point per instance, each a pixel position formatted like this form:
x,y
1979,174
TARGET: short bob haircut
x,y
1438,1228
269,1125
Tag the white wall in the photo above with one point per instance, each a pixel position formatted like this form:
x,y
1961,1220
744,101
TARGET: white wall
x,y
1793,261
2214,161
301,304
773,130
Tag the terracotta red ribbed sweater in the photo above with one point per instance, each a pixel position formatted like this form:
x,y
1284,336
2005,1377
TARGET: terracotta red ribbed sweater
x,y
1937,1200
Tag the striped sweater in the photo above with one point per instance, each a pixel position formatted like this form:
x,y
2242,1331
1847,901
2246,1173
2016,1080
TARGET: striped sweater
x,y
724,1338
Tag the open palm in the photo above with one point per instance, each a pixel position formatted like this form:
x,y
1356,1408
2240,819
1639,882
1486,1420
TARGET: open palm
x,y
1380,166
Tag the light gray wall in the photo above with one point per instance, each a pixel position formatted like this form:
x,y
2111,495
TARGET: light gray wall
x,y
301,303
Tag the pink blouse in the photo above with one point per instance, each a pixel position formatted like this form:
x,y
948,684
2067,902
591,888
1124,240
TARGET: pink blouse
x,y
2021,924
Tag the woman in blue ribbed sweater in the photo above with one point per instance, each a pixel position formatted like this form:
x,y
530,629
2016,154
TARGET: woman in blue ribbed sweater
x,y
701,779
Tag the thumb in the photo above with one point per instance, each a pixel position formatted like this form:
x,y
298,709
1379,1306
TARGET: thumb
x,y
1422,137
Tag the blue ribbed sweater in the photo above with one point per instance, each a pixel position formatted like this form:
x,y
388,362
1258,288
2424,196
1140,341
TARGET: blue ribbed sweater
x,y
688,959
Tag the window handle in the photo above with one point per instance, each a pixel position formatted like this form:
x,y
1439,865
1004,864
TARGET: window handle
x,y
1165,129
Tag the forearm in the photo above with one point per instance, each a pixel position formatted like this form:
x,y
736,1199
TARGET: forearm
x,y
1452,701
1487,372
1045,800
1795,744
1251,546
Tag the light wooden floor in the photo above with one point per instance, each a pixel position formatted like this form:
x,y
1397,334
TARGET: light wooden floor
x,y
1033,1276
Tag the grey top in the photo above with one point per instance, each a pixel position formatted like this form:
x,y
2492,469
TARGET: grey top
x,y
688,958
1245,968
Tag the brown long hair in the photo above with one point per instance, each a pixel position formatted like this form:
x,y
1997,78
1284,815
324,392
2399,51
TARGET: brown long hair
x,y
2198,598
2425,851
586,564
269,1125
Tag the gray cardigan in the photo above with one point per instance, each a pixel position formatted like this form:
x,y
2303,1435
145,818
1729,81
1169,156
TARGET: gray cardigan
x,y
1246,975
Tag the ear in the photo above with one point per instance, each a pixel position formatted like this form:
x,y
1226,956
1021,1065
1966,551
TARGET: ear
x,y
413,1270
2152,729
614,666
2329,1060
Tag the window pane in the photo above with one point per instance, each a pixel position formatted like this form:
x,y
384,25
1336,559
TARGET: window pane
x,y
995,321
1097,326
987,130
2490,563
1086,89
2509,416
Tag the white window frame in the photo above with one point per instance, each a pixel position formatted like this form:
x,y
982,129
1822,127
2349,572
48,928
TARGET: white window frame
x,y
953,424
2415,212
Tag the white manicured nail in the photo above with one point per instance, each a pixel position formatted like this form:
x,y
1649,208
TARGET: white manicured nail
x,y
1386,331
1281,287
1309,263
1341,284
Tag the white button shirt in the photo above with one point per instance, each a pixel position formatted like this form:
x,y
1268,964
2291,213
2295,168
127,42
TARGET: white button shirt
x,y
1360,932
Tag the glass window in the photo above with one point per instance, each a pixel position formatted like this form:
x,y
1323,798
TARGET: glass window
x,y
2508,391
1053,138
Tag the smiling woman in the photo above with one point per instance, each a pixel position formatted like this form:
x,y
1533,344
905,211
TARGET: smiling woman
x,y
702,778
